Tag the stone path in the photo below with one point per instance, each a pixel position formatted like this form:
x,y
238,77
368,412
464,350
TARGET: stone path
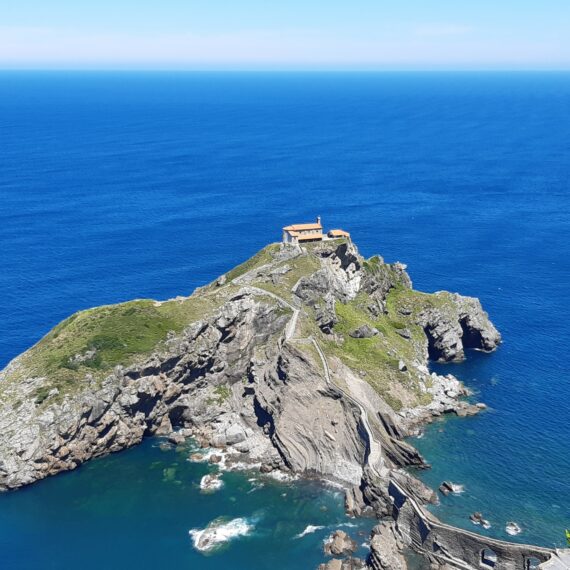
x,y
374,460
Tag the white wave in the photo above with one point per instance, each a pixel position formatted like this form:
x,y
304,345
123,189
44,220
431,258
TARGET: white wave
x,y
211,483
308,530
457,489
348,525
218,532
255,485
281,476
238,466
513,528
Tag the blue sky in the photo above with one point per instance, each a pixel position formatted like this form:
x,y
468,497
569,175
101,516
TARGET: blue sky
x,y
286,34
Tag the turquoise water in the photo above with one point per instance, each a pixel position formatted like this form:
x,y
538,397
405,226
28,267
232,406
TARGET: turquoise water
x,y
118,186
135,509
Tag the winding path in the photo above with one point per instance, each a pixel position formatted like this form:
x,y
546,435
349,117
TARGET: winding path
x,y
374,459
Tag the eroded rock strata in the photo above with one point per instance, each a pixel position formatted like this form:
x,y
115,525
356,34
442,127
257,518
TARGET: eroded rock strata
x,y
308,359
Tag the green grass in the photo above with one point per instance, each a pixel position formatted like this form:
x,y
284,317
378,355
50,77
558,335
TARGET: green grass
x,y
416,302
301,266
223,393
378,357
373,264
260,258
116,334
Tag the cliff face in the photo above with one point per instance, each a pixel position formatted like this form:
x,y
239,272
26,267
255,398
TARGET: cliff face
x,y
301,358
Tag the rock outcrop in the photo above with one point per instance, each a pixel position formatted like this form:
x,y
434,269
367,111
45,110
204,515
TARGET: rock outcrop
x,y
339,544
260,363
386,549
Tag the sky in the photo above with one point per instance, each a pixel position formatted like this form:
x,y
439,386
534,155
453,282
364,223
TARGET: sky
x,y
285,34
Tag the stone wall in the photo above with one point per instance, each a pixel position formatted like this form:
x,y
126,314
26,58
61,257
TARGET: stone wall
x,y
458,548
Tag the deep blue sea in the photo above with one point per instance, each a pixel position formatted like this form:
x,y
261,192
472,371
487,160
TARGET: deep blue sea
x,y
122,185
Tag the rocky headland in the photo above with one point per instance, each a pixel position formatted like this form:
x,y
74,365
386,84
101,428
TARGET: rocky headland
x,y
310,360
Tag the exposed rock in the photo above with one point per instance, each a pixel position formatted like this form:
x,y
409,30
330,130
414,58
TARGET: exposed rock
x,y
325,314
513,528
386,549
364,332
235,434
176,438
339,544
347,564
354,502
334,564
477,518
210,483
230,377
456,326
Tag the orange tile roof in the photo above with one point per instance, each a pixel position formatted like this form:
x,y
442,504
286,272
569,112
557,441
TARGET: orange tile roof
x,y
300,227
306,237
338,233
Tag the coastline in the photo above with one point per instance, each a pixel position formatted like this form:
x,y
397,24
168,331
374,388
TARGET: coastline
x,y
281,381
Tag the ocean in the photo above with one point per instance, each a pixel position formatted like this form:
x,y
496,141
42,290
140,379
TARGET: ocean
x,y
116,186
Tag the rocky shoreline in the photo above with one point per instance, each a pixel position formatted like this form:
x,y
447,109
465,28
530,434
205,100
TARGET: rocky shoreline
x,y
310,361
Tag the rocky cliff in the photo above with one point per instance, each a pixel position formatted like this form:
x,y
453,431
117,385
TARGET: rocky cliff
x,y
311,359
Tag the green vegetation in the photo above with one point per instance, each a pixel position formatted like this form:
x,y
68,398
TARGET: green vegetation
x,y
301,266
223,393
373,264
262,257
89,344
377,357
414,302
96,340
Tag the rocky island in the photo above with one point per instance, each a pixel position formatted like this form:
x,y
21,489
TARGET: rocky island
x,y
307,358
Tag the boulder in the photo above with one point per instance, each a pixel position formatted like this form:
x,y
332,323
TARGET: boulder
x,y
235,434
339,543
325,314
386,550
176,438
364,331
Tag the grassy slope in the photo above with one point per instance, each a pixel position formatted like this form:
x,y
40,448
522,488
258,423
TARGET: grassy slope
x,y
104,337
378,357
92,342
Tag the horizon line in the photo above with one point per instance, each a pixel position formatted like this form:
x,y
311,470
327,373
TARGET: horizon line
x,y
288,70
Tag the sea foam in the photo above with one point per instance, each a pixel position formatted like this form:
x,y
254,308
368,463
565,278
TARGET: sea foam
x,y
218,532
308,530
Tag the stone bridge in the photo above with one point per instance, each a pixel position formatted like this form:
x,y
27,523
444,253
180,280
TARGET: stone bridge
x,y
462,549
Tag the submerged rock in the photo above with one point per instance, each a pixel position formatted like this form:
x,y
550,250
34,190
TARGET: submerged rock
x,y
219,532
211,482
513,528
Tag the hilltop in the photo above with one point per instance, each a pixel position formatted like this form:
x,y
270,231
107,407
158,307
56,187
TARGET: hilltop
x,y
273,359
